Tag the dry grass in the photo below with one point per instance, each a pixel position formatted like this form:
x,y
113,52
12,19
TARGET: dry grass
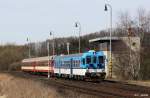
x,y
141,83
15,87
23,88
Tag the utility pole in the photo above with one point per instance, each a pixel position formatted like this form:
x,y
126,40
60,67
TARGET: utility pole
x,y
110,60
68,48
77,24
130,55
52,33
48,59
29,53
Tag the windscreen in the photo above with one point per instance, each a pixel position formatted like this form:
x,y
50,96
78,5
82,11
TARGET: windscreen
x,y
88,59
94,59
101,59
83,61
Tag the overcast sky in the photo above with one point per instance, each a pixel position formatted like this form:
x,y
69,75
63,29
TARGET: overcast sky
x,y
20,19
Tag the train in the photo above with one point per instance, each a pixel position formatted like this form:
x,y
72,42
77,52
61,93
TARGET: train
x,y
89,65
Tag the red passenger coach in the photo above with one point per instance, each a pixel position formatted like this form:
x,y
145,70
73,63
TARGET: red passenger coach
x,y
38,65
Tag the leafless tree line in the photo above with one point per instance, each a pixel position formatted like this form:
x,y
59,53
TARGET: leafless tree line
x,y
134,64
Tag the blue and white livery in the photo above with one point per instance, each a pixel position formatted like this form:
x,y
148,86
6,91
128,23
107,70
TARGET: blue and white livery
x,y
90,64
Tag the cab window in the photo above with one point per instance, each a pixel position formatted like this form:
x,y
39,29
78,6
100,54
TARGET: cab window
x,y
83,61
88,59
101,59
94,59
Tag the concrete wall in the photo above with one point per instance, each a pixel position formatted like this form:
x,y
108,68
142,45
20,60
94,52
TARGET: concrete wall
x,y
122,47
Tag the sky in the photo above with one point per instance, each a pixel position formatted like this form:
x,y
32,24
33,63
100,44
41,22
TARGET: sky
x,y
34,19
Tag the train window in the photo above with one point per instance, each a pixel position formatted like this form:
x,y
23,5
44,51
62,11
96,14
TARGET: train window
x,y
68,62
88,59
73,63
79,62
76,63
94,59
60,64
101,59
56,65
83,61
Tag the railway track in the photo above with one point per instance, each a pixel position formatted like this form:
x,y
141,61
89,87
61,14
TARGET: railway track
x,y
86,90
104,89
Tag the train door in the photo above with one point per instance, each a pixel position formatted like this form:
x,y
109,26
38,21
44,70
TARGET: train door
x,y
95,61
89,62
106,53
52,66
71,68
34,66
83,63
101,62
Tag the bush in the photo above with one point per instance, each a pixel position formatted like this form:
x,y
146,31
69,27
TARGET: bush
x,y
16,66
10,54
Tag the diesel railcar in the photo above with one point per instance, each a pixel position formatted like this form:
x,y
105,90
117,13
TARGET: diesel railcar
x,y
88,65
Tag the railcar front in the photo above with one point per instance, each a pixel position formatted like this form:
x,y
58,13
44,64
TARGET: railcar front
x,y
88,65
95,65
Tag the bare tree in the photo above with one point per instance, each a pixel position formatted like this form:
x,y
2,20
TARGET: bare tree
x,y
129,63
124,20
143,22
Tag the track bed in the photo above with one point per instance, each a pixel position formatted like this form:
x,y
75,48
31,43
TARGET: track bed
x,y
108,89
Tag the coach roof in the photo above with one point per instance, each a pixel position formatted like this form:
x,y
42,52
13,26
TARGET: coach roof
x,y
38,59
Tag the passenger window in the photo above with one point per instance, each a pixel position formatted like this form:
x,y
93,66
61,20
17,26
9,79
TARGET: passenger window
x,y
88,59
94,59
101,59
79,62
74,63
83,61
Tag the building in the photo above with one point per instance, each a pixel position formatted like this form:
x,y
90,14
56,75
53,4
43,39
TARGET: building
x,y
125,53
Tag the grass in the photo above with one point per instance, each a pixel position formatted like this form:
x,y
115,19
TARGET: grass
x,y
16,87
141,83
23,88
